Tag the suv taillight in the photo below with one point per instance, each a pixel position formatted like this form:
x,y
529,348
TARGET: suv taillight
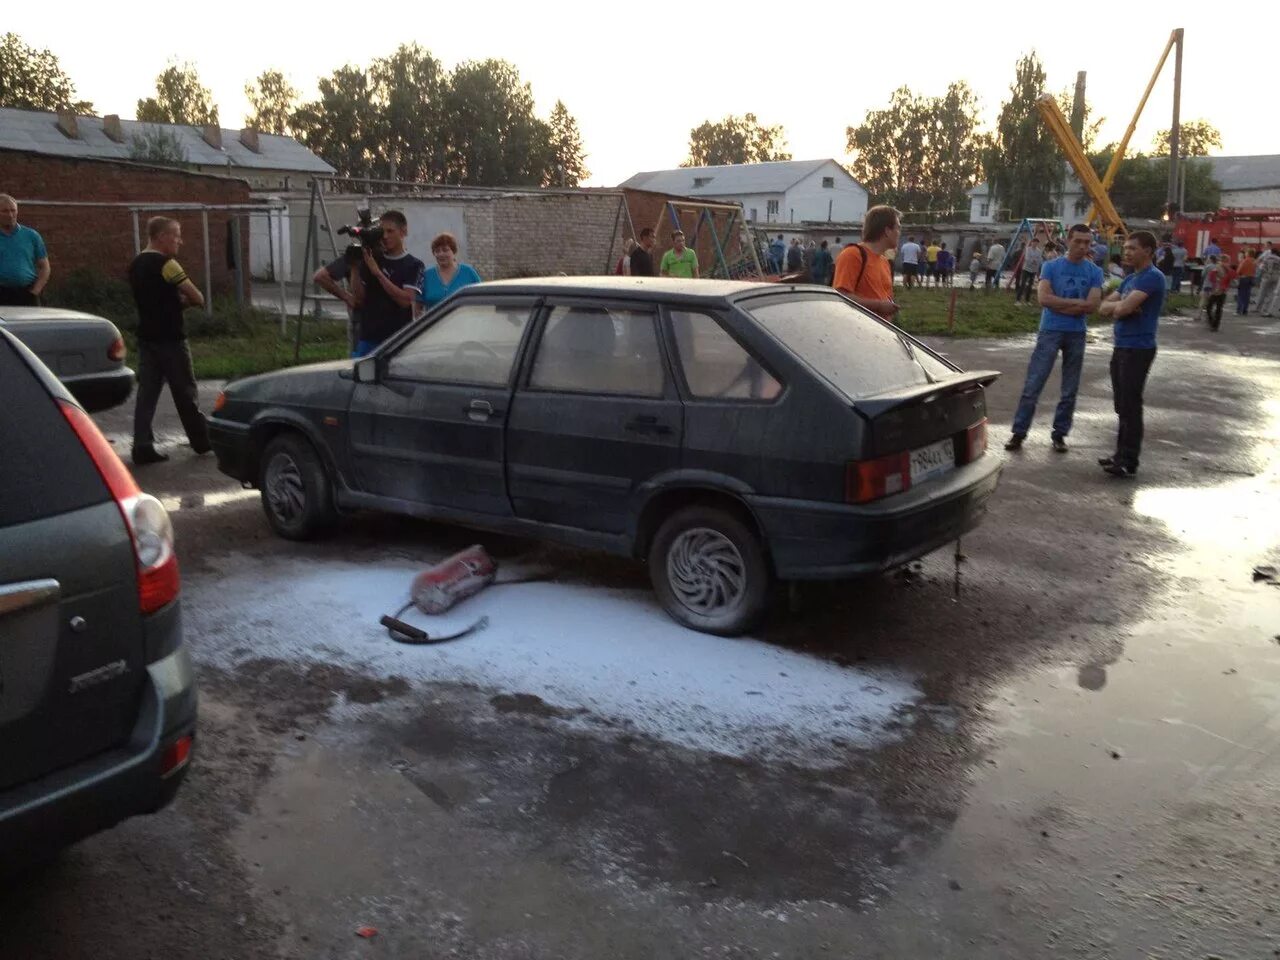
x,y
867,480
117,351
975,441
144,516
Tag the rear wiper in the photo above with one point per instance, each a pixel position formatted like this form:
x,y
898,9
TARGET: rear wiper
x,y
911,352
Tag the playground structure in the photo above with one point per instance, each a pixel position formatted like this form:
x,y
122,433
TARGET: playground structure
x,y
717,232
1044,230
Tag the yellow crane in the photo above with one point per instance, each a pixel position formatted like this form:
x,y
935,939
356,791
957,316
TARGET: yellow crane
x,y
1109,221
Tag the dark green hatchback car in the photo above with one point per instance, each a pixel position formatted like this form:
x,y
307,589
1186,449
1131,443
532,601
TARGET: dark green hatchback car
x,y
727,433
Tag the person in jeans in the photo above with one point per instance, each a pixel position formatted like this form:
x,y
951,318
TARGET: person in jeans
x,y
161,290
1244,282
1070,289
1032,259
1136,309
1268,282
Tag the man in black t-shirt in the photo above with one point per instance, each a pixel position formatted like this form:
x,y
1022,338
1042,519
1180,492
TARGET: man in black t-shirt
x,y
161,289
642,255
385,287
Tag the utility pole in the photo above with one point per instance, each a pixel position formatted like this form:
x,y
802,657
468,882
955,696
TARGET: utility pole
x,y
1077,108
1175,131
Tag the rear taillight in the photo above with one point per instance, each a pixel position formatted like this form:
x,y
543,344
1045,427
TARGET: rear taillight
x,y
975,441
867,480
146,519
117,352
176,756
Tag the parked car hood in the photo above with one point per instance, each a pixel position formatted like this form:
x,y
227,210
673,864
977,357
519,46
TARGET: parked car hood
x,y
307,384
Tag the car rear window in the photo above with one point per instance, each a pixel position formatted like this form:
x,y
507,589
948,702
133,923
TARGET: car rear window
x,y
44,470
858,354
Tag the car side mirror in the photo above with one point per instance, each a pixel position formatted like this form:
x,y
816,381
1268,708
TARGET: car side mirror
x,y
366,370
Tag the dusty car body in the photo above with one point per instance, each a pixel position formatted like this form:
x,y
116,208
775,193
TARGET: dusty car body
x,y
728,433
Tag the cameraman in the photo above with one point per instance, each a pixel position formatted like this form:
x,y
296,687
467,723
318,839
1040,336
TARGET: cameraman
x,y
329,278
386,284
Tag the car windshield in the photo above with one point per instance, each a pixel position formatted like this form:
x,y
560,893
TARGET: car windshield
x,y
857,353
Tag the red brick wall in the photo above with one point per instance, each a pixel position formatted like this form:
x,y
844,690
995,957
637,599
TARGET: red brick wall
x,y
101,238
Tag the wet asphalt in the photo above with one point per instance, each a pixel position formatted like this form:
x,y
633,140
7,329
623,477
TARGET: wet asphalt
x,y
1091,769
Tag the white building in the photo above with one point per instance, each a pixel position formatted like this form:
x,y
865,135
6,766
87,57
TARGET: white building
x,y
1246,182
785,191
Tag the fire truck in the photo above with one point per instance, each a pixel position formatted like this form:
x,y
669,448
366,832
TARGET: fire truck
x,y
1235,230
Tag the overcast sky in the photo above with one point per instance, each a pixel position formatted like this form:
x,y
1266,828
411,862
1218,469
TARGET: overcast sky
x,y
638,83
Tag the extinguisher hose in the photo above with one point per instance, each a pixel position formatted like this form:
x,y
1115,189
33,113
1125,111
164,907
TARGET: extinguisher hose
x,y
407,633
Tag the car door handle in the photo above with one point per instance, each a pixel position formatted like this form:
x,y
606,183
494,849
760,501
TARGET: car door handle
x,y
480,410
648,425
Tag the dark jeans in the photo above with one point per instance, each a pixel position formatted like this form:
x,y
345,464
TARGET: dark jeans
x,y
1026,284
17,297
1043,357
161,362
1129,368
992,280
1214,309
1244,290
1177,279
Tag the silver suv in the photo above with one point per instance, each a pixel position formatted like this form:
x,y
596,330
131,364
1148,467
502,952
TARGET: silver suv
x,y
97,694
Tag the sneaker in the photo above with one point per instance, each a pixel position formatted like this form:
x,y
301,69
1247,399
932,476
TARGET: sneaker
x,y
1015,441
1060,443
1106,461
201,449
1116,470
145,455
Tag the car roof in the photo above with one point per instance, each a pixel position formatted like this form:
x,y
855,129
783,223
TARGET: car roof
x,y
14,314
625,288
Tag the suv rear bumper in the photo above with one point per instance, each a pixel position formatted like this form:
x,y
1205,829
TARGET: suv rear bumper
x,y
65,806
816,540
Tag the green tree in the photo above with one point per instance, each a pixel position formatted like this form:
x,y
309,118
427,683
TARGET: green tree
x,y
492,133
1142,182
1092,126
408,89
568,160
273,100
735,140
1195,139
32,79
342,126
1023,164
158,146
919,153
180,98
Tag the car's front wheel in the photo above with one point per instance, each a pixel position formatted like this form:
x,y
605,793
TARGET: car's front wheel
x,y
709,570
296,493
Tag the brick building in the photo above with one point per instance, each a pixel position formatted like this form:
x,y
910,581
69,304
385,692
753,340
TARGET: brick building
x,y
100,238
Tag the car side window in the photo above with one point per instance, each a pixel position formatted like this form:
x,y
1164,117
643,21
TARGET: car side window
x,y
473,343
599,350
715,365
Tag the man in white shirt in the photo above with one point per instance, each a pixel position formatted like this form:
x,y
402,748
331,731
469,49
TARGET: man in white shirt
x,y
910,262
995,259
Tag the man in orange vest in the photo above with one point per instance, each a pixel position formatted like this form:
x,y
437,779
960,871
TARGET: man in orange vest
x,y
863,273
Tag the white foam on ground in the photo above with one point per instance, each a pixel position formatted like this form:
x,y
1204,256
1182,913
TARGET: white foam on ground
x,y
613,652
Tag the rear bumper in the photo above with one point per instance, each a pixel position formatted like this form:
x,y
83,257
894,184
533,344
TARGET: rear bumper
x,y
101,391
230,441
810,540
39,817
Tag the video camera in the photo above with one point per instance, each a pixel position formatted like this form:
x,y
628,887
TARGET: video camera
x,y
364,234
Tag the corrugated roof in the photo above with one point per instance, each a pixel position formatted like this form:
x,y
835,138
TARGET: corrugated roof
x,y
1232,173
38,132
730,179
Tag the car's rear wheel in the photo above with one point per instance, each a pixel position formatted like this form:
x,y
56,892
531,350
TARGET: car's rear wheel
x,y
709,570
296,493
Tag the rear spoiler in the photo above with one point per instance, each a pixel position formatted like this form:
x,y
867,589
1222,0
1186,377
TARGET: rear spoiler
x,y
881,403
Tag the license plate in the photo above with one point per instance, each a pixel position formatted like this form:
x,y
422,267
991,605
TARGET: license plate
x,y
932,461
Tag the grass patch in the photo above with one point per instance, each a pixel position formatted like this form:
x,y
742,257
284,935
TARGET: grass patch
x,y
982,313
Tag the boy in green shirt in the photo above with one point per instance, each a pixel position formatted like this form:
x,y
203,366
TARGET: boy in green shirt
x,y
679,261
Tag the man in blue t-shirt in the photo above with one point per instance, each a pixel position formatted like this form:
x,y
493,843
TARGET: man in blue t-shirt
x,y
1136,309
1070,289
24,261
